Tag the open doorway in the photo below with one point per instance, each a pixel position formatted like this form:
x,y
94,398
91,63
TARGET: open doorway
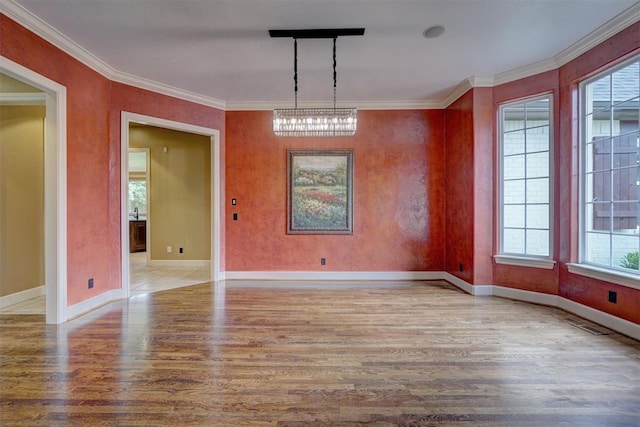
x,y
25,87
181,217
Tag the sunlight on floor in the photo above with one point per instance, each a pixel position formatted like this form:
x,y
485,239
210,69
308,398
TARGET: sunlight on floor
x,y
144,280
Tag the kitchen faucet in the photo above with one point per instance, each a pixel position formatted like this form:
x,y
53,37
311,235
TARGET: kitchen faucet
x,y
135,213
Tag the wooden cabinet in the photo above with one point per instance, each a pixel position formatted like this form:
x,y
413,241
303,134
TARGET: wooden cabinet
x,y
137,236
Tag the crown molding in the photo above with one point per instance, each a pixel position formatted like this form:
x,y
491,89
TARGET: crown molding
x,y
462,88
161,88
36,25
526,71
22,98
599,35
360,105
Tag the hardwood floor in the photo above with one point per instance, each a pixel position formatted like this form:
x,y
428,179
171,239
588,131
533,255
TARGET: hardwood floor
x,y
273,353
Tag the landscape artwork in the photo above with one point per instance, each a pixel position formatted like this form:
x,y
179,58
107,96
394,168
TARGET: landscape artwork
x,y
320,187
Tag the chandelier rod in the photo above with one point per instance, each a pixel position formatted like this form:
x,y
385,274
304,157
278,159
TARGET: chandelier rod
x,y
295,71
335,74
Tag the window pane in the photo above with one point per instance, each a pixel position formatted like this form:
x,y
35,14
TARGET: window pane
x,y
600,214
138,195
625,249
624,183
597,248
538,165
538,190
514,142
625,150
538,242
625,216
513,191
538,139
626,83
601,95
598,187
538,216
514,216
513,167
538,112
513,241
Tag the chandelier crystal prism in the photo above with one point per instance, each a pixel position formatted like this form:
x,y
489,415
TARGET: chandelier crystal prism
x,y
315,121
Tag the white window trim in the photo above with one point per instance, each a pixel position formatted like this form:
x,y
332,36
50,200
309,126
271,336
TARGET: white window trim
x,y
525,260
583,268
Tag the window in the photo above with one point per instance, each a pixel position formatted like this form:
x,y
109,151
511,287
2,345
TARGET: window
x,y
610,156
138,182
525,177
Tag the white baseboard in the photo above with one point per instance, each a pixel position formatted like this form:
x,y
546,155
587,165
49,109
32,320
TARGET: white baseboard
x,y
333,275
178,263
475,290
93,303
607,320
21,296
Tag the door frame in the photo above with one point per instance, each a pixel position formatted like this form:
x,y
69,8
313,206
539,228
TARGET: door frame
x,y
55,187
216,225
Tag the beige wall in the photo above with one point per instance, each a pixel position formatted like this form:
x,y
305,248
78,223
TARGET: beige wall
x,y
10,85
180,192
21,198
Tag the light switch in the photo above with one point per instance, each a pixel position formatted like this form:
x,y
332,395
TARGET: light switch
x,y
233,202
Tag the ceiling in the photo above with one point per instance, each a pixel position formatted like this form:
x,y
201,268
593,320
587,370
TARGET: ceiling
x,y
221,49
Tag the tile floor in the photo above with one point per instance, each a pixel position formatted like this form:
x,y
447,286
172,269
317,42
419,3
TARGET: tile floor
x,y
144,280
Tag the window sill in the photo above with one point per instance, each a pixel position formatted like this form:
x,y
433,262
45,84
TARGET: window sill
x,y
546,264
617,277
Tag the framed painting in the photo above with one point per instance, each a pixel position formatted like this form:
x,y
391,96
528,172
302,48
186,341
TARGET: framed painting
x,y
320,191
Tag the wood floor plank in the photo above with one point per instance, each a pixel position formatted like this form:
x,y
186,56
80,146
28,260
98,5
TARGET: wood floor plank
x,y
327,354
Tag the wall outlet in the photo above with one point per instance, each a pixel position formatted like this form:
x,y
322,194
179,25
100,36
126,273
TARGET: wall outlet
x,y
181,250
461,267
90,283
169,249
613,297
323,261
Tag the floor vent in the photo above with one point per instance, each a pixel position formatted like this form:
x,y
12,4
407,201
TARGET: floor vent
x,y
592,329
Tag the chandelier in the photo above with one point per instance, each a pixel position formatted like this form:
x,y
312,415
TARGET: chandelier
x,y
315,121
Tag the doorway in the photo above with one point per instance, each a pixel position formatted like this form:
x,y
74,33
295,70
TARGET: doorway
x,y
54,182
131,121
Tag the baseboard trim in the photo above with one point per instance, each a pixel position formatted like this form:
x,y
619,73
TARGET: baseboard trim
x,y
178,262
333,275
18,297
475,290
93,303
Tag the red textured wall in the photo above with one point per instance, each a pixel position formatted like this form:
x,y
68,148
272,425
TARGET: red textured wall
x,y
459,187
532,279
398,196
483,170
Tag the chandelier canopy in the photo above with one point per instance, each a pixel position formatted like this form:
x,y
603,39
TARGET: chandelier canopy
x,y
315,121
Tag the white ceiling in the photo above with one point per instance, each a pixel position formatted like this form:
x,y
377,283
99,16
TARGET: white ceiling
x,y
221,49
